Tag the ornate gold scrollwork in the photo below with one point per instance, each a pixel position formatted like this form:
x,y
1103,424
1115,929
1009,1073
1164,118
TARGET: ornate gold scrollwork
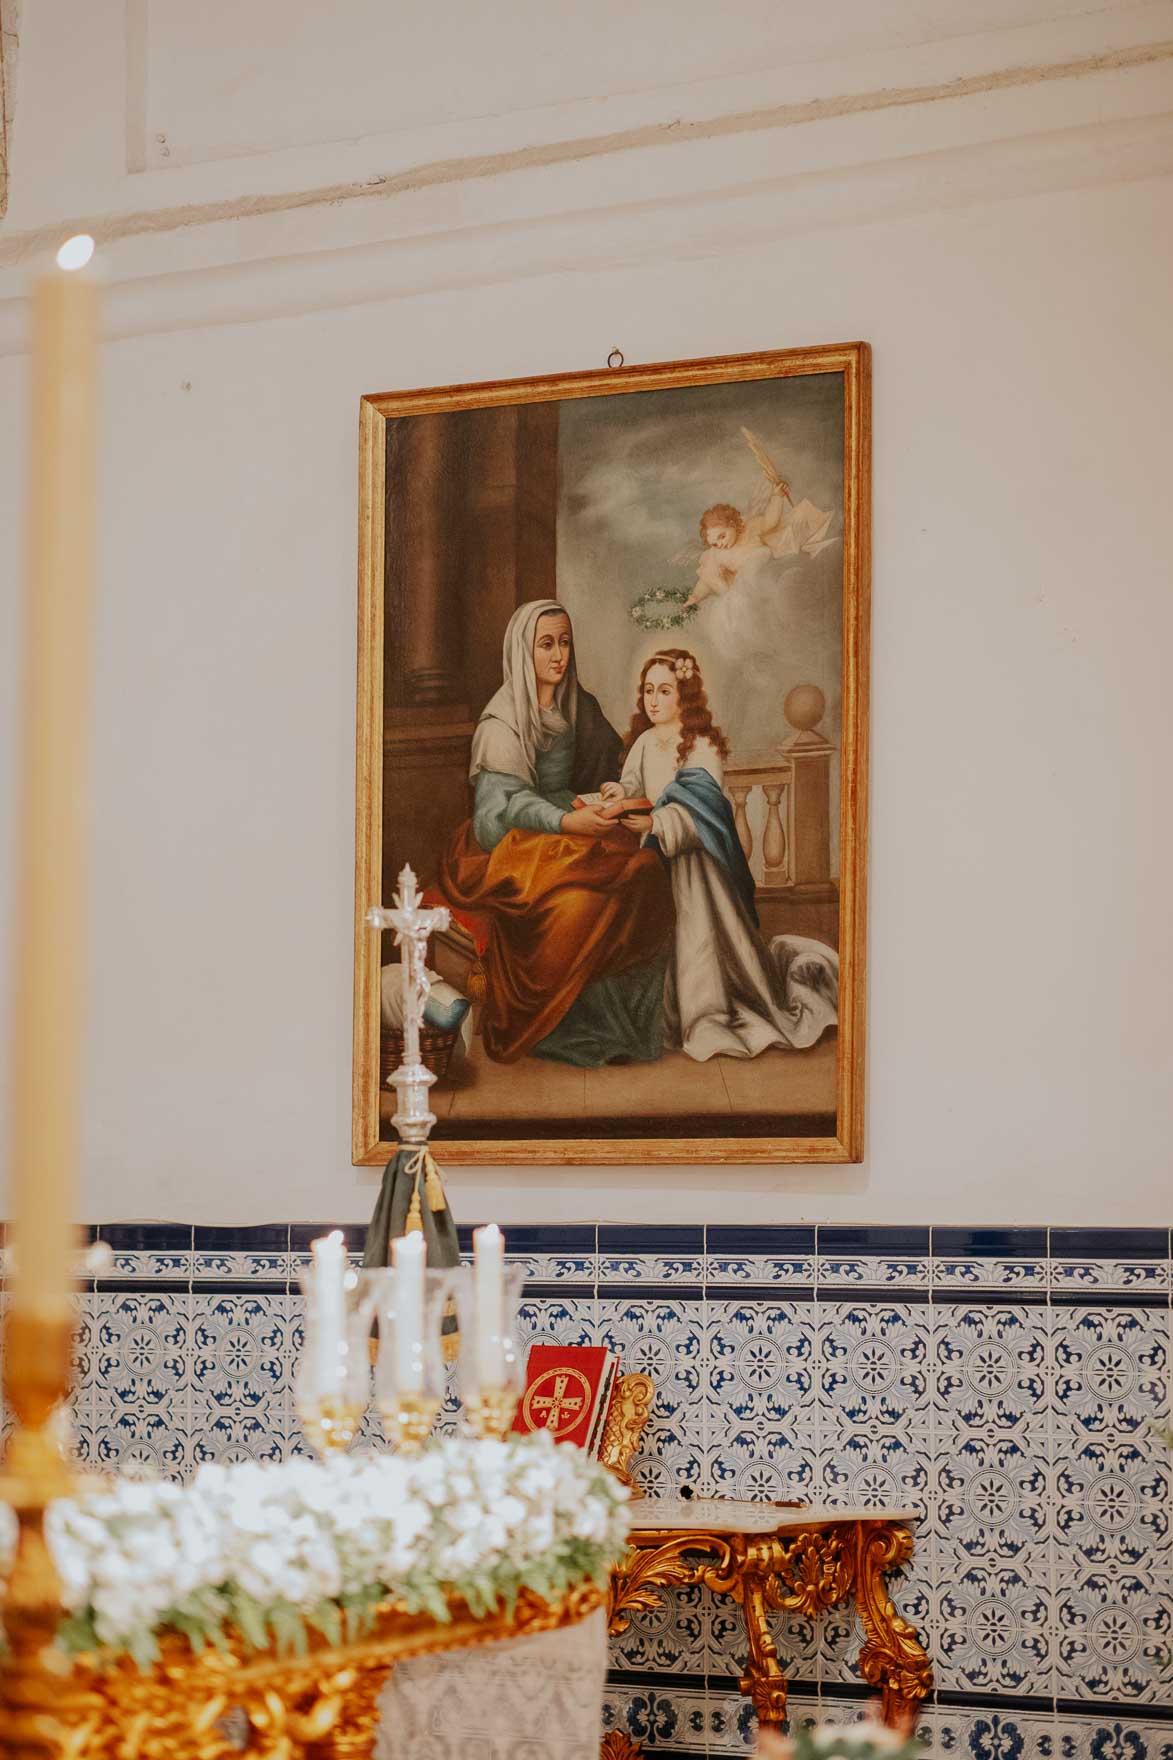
x,y
617,1745
811,1572
892,1656
636,1583
805,1572
627,1419
323,1705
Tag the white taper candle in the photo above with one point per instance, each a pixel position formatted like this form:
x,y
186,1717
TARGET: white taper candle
x,y
409,1256
329,1255
489,1258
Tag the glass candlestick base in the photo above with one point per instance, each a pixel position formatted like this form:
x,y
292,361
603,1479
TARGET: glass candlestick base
x,y
489,1412
330,1423
408,1419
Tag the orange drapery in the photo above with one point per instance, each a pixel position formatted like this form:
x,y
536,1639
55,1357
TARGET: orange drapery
x,y
564,911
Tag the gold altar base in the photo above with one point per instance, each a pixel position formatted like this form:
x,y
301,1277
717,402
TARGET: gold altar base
x,y
322,1705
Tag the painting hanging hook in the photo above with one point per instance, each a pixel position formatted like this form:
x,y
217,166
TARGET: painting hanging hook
x,y
615,358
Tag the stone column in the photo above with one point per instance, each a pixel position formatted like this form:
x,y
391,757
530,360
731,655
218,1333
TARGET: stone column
x,y
811,757
431,617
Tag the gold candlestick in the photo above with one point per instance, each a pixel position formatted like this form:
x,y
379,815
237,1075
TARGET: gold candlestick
x,y
408,1419
38,1707
490,1412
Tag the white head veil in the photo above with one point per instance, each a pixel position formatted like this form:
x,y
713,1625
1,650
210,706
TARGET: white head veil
x,y
510,732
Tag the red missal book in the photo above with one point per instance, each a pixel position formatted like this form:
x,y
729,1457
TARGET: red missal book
x,y
567,1391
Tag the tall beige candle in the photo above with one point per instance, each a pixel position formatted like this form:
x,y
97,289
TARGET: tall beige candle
x,y
50,943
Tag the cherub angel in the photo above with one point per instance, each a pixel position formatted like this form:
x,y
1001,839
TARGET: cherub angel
x,y
775,523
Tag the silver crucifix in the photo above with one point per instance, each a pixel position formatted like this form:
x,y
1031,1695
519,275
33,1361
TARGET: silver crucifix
x,y
411,1081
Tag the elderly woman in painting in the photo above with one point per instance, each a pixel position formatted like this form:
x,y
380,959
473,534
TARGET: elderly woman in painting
x,y
580,917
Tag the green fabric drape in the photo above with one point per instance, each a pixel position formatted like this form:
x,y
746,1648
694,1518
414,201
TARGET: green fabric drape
x,y
393,1206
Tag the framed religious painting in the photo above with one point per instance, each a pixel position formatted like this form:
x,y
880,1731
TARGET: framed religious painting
x,y
612,711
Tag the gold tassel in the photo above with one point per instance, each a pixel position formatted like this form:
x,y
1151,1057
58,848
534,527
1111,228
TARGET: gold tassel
x,y
415,1216
435,1186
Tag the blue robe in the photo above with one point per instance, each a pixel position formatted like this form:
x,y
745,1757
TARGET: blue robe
x,y
704,799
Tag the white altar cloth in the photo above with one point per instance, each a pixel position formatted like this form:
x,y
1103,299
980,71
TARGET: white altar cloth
x,y
533,1698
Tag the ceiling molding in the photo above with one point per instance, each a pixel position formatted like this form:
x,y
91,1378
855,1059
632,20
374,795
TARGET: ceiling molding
x,y
460,170
633,233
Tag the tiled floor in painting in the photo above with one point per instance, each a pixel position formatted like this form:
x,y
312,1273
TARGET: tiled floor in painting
x,y
783,1081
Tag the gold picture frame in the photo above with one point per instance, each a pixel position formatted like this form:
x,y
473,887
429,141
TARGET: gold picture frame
x,y
428,744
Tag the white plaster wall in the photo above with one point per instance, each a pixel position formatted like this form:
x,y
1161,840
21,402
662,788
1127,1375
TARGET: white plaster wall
x,y
1021,1003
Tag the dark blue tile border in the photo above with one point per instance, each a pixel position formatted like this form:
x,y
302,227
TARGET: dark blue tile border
x,y
1114,1709
841,1240
1109,1298
1109,1243
989,1243
303,1234
653,1292
146,1237
760,1294
264,1238
550,1239
892,1294
666,1240
767,1242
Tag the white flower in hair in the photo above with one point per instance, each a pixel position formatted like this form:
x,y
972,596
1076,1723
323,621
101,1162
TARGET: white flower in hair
x,y
685,668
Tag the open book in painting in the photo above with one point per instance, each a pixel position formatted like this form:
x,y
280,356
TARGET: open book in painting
x,y
614,809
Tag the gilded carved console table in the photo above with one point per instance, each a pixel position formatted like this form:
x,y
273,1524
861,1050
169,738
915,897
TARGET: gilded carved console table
x,y
768,1558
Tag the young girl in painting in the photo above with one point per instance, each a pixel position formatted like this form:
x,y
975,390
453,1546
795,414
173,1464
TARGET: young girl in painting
x,y
726,990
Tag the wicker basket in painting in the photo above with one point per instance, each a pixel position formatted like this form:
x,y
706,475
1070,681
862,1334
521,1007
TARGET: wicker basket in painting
x,y
436,1050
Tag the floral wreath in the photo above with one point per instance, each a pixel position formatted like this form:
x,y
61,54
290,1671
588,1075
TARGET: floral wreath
x,y
663,608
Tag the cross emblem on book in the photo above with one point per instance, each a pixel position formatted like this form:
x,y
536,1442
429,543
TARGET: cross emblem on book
x,y
562,1408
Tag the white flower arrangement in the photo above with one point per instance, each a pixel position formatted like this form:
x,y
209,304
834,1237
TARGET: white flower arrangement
x,y
276,1549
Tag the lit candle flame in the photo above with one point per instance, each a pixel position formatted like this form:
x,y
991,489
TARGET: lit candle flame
x,y
76,252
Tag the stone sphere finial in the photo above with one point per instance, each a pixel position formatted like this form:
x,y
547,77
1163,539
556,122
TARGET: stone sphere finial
x,y
804,707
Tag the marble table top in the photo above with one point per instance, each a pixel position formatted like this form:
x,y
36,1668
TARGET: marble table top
x,y
720,1515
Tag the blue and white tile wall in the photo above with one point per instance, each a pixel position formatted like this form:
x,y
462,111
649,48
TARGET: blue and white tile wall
x,y
1004,1382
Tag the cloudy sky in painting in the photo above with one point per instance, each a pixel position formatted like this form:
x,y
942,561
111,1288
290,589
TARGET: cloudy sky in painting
x,y
636,472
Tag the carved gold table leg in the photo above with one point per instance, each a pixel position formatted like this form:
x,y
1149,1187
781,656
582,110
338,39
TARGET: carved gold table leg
x,y
892,1656
763,1681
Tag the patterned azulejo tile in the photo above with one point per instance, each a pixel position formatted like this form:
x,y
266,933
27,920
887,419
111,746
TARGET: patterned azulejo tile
x,y
141,1354
874,1413
993,1624
558,1320
658,1718
1111,1375
990,1369
1013,1259
669,1637
1114,1637
1127,1259
779,1257
760,1414
873,1366
1110,1738
661,1255
891,1258
993,1500
242,1364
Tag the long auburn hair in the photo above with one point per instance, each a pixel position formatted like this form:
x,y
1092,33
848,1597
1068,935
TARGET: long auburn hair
x,y
696,718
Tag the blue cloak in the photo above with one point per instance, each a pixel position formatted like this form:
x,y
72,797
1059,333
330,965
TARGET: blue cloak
x,y
704,798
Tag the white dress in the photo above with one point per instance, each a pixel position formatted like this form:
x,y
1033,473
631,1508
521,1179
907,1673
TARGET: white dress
x,y
727,993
